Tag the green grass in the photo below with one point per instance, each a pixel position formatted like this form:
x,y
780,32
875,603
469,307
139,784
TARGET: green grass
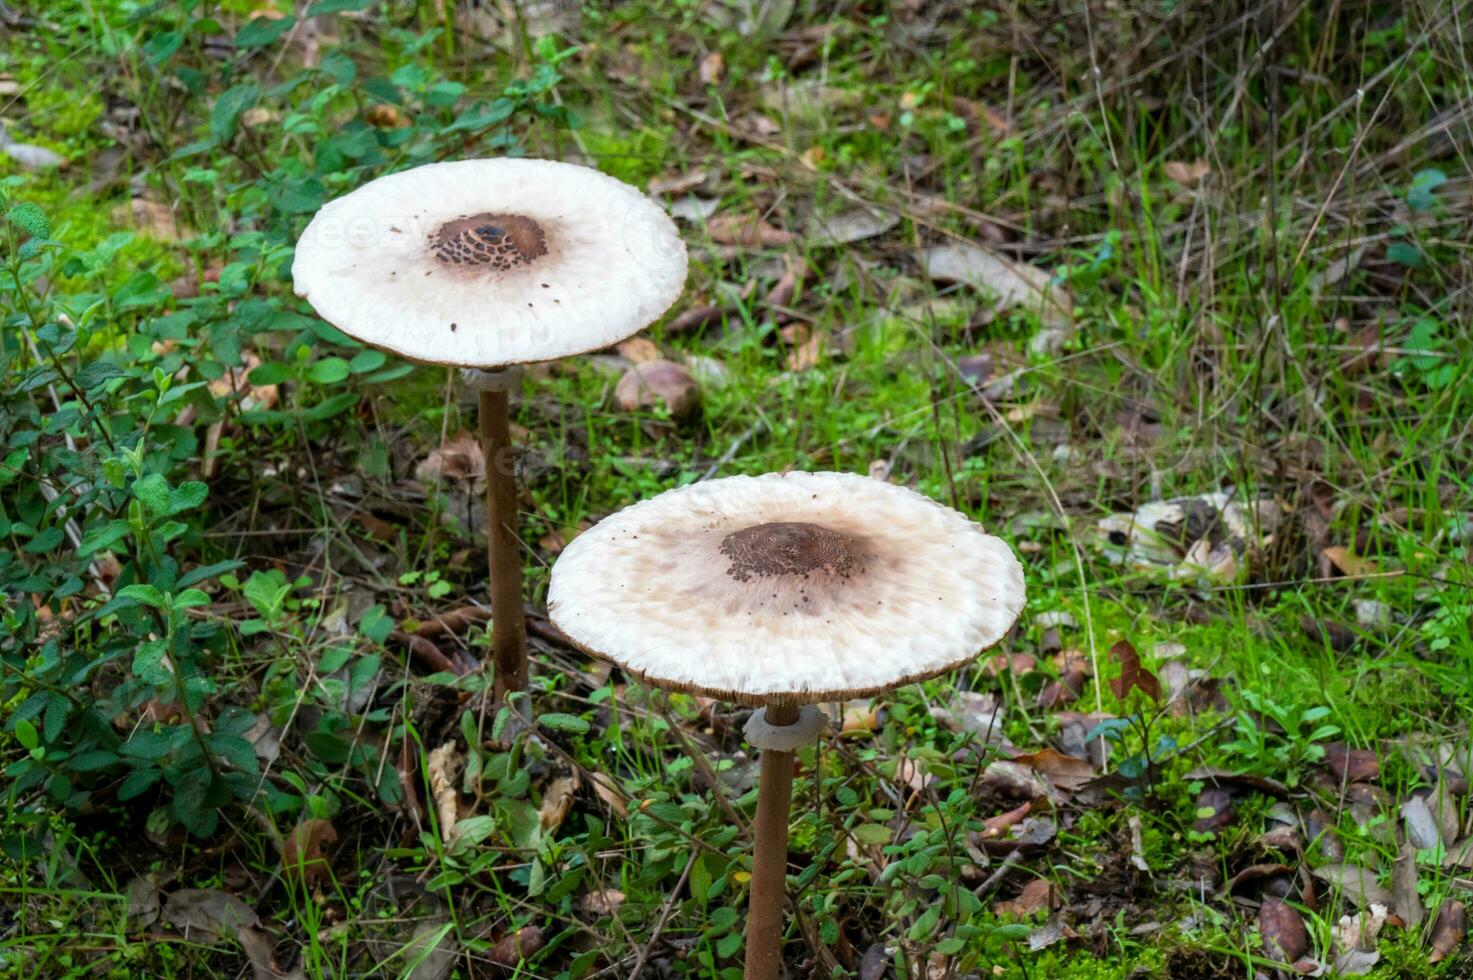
x,y
1214,349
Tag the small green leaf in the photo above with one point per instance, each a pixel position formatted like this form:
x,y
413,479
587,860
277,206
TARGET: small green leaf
x,y
137,782
153,490
187,497
103,536
560,722
142,592
329,370
873,834
26,734
30,219
92,761
228,109
262,31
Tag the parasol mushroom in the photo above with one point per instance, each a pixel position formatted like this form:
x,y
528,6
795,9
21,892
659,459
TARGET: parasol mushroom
x,y
484,265
782,591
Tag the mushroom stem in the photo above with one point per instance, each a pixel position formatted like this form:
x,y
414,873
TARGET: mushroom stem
x,y
770,856
508,623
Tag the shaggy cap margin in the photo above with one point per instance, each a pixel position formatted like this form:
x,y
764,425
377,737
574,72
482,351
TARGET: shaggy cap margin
x,y
786,588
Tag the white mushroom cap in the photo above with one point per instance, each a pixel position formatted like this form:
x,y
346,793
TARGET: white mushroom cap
x,y
786,588
485,263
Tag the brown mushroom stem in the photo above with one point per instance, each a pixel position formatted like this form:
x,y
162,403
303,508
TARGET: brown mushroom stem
x,y
770,856
508,626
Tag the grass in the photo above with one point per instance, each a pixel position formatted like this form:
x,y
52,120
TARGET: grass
x,y
1288,325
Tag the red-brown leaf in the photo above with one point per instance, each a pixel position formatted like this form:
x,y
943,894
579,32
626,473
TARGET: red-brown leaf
x,y
1449,931
1132,674
1284,937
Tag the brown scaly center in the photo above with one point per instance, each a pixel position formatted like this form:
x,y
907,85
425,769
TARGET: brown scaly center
x,y
788,548
497,242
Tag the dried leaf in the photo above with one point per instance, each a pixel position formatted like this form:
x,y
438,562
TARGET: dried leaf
x,y
1064,771
257,947
1132,674
1361,930
1357,884
748,230
143,902
30,157
1423,830
639,350
207,914
1012,779
1284,937
460,457
1214,810
678,183
1347,563
659,382
809,353
152,218
1408,903
514,947
853,225
1015,285
999,825
444,765
557,802
712,68
604,901
301,851
1352,765
1037,894
1449,931
384,116
1187,174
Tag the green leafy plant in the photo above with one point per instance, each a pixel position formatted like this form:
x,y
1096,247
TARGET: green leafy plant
x,y
1283,740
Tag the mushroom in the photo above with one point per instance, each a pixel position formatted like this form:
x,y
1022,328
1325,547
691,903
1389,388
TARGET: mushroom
x,y
782,591
484,265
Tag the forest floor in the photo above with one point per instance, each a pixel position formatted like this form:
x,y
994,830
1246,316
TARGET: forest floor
x,y
1172,297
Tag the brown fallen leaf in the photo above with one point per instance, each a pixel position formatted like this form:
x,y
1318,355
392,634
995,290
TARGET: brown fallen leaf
x,y
1214,810
207,914
514,947
1408,903
659,382
302,851
1038,894
1346,562
1284,937
999,825
1188,175
639,350
384,116
151,218
557,802
712,68
809,353
1449,930
1352,765
678,183
1013,285
444,765
749,230
1065,772
1013,779
1339,636
1132,674
1355,883
603,901
860,718
460,457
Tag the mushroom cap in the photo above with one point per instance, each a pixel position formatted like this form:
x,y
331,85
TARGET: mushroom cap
x,y
485,263
786,588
